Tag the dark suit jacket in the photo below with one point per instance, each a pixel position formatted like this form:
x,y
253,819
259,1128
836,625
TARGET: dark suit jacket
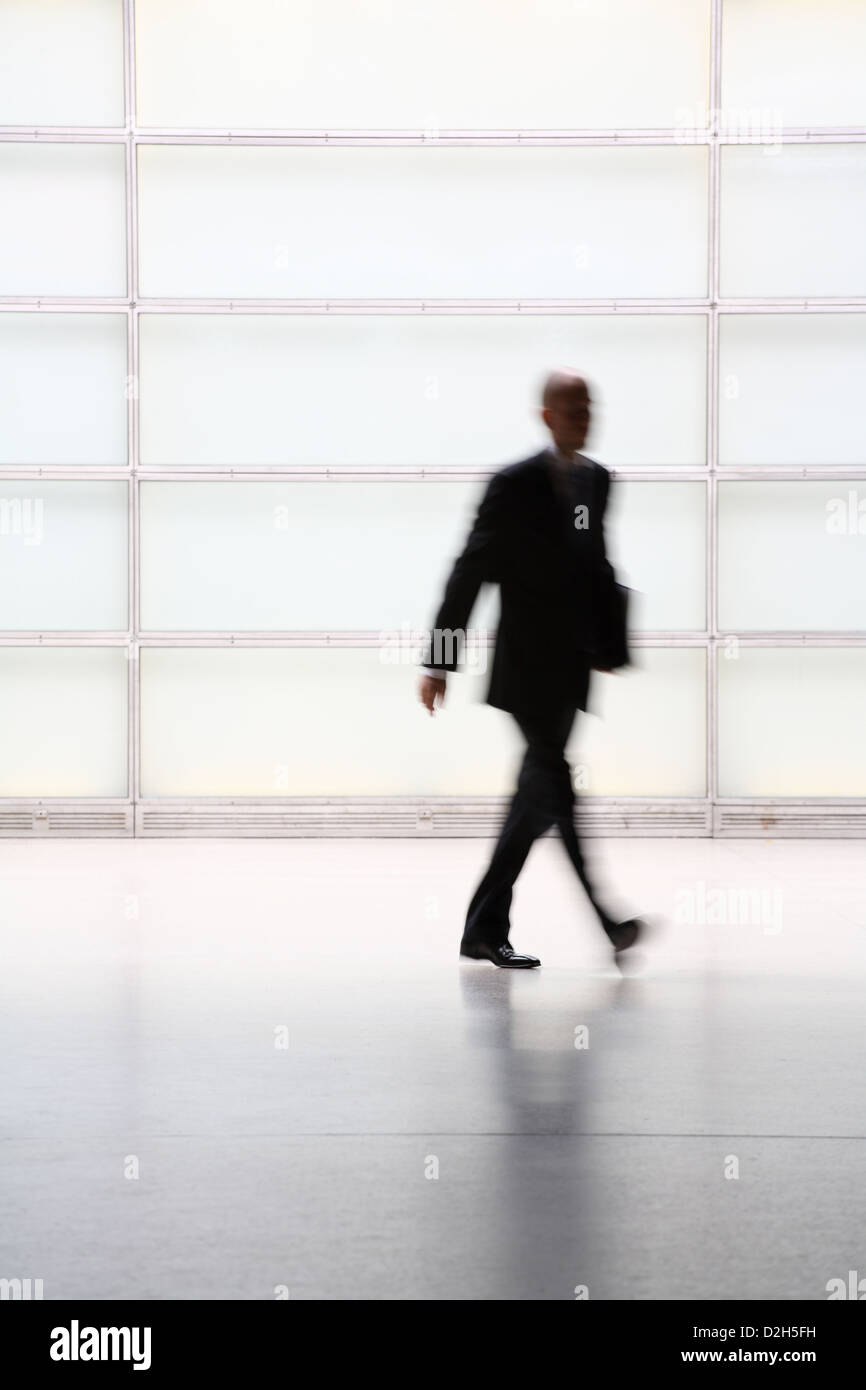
x,y
561,609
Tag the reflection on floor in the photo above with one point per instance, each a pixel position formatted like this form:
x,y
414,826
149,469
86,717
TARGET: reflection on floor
x,y
252,1069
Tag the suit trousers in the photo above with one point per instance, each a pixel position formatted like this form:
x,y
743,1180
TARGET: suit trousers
x,y
545,797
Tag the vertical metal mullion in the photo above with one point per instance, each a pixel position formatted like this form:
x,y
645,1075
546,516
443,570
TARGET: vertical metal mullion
x,y
132,406
714,152
135,693
712,556
135,552
131,651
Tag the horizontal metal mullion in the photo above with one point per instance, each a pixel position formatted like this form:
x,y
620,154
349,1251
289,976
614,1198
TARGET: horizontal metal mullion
x,y
794,135
648,305
790,800
786,638
670,473
640,473
400,638
70,304
199,135
64,135
661,803
662,135
344,640
26,802
520,139
72,473
528,307
492,799
407,474
791,305
306,474
656,802
240,305
46,637
412,474
814,472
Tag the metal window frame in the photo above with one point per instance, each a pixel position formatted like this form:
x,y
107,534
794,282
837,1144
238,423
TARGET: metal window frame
x,y
708,815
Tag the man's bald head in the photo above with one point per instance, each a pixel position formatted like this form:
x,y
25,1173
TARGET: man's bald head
x,y
565,408
563,383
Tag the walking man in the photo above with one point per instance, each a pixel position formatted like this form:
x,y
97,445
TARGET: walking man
x,y
539,535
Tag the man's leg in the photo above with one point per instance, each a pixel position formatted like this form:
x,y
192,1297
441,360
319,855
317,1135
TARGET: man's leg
x,y
487,914
545,796
552,797
539,802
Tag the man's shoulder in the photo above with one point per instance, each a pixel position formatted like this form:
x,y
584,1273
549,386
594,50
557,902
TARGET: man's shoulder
x,y
599,474
532,465
593,464
523,467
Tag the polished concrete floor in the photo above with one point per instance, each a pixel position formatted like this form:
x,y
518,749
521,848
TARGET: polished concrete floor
x,y
234,1067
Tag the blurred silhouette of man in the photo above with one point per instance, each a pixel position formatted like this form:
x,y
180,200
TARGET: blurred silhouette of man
x,y
539,535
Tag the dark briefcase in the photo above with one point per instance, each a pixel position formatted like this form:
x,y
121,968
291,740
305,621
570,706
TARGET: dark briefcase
x,y
612,651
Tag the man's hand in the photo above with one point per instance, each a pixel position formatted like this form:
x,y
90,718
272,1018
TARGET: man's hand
x,y
431,692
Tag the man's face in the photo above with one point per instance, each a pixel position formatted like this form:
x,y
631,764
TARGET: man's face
x,y
568,419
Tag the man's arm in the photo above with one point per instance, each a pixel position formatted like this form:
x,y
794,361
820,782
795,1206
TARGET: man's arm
x,y
478,562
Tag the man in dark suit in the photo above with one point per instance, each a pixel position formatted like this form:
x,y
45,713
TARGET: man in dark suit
x,y
539,535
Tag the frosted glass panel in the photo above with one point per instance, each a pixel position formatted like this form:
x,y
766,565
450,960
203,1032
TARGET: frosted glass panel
x,y
324,556
469,64
645,733
63,232
801,61
790,388
63,555
334,556
656,539
229,722
791,722
395,391
63,721
61,62
62,389
792,220
792,555
301,222
290,722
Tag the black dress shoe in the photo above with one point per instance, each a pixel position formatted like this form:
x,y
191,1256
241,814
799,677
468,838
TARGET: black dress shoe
x,y
625,934
504,956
